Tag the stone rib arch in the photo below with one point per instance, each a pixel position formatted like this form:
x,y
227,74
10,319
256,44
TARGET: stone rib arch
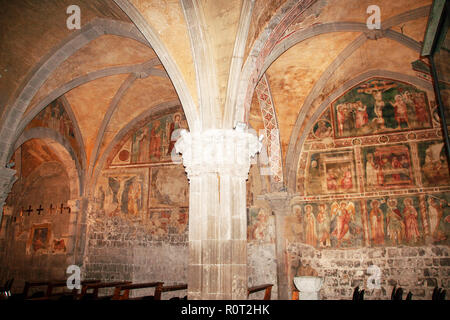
x,y
292,163
120,137
261,57
169,64
64,151
40,73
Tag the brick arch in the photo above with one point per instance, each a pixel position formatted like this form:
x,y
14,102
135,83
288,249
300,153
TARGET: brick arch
x,y
292,162
48,64
63,150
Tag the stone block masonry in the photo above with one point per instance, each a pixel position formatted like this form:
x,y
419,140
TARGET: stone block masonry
x,y
415,269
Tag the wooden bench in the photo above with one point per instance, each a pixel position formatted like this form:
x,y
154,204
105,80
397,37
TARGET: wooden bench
x,y
266,287
33,284
175,287
85,295
126,290
71,295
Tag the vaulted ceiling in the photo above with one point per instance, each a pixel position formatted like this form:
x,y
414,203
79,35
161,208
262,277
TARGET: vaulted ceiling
x,y
112,71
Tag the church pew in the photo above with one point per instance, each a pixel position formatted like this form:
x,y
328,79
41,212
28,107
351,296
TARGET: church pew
x,y
69,295
126,290
85,295
175,287
266,287
34,284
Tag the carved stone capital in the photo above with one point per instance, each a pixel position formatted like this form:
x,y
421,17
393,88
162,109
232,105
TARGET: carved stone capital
x,y
7,179
222,151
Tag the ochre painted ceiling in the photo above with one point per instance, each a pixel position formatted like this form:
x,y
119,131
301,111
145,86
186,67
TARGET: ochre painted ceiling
x,y
129,70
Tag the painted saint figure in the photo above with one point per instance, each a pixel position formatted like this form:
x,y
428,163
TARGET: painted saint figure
x,y
410,216
362,117
323,221
344,213
435,212
401,112
346,181
322,130
376,223
310,226
395,225
371,171
155,140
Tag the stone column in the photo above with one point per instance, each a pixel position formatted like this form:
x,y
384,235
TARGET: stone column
x,y
279,202
217,163
7,179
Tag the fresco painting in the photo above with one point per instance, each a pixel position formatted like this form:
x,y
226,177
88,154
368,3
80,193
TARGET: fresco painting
x,y
39,239
333,224
388,167
169,187
123,193
433,162
261,225
55,117
332,172
380,105
438,209
155,141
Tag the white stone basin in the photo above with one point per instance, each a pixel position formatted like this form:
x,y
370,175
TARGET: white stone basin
x,y
308,287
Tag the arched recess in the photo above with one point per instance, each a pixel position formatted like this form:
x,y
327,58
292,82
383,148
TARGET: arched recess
x,y
268,48
190,110
121,136
63,150
41,72
292,163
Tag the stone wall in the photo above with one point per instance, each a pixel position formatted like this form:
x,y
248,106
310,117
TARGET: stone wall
x,y
415,269
35,239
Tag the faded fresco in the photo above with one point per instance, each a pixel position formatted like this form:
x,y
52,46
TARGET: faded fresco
x,y
377,151
39,240
433,162
169,187
123,192
55,117
336,224
387,167
260,225
380,105
395,221
332,172
155,141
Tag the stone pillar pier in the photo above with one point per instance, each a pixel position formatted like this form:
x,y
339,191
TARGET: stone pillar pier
x,y
279,202
7,179
217,163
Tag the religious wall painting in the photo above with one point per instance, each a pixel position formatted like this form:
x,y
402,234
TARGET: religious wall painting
x,y
59,246
438,214
155,141
333,224
123,192
55,117
169,187
378,106
158,222
260,225
331,172
322,129
433,163
395,221
40,239
387,167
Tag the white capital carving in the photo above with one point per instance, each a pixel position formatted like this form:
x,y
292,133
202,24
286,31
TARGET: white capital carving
x,y
222,151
